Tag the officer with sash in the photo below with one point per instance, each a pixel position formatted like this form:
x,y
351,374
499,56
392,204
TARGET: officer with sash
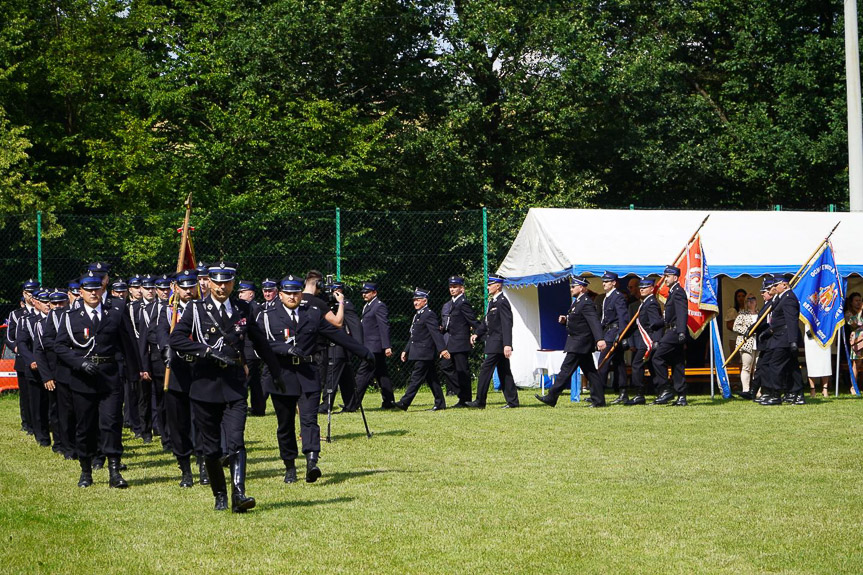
x,y
292,328
213,331
583,336
644,339
89,340
670,352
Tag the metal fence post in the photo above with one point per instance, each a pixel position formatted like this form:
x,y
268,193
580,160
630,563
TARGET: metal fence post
x,y
39,244
338,244
485,253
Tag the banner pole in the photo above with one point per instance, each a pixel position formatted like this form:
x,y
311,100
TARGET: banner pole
x,y
175,298
839,345
712,365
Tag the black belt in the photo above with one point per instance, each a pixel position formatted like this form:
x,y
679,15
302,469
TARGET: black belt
x,y
99,359
298,359
670,326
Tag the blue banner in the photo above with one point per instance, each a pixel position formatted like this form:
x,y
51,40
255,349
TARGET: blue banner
x,y
819,290
719,360
850,369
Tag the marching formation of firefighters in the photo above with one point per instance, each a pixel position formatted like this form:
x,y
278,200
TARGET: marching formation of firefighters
x,y
104,353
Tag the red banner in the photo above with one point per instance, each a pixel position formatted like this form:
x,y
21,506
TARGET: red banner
x,y
691,265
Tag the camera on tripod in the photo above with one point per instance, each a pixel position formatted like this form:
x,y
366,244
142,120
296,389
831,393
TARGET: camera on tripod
x,y
329,291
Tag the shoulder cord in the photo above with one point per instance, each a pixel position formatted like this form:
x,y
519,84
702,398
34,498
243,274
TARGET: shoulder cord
x,y
267,327
134,323
87,345
199,333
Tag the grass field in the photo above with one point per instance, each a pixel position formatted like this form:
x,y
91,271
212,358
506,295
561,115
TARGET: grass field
x,y
718,487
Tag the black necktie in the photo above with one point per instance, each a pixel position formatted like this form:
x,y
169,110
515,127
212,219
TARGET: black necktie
x,y
223,314
95,318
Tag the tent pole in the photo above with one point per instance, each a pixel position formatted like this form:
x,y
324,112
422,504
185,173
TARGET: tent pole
x,y
840,344
712,366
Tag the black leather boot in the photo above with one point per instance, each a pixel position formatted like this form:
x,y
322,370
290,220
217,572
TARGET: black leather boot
x,y
217,482
114,477
622,398
312,471
186,479
290,471
240,503
203,478
86,479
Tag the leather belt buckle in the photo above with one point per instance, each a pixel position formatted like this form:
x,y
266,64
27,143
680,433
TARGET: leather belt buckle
x,y
295,360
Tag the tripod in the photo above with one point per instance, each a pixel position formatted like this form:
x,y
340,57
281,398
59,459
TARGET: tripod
x,y
331,383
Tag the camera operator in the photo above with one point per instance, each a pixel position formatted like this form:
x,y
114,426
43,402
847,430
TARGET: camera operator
x,y
338,370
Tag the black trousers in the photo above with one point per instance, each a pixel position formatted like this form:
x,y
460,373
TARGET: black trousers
x,y
457,372
131,417
638,366
257,395
571,362
99,423
365,375
486,372
617,366
65,419
24,400
762,369
424,370
212,418
339,374
780,375
151,404
286,432
670,355
181,428
37,397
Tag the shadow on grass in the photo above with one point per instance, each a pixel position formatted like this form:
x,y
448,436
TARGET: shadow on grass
x,y
388,433
337,478
264,507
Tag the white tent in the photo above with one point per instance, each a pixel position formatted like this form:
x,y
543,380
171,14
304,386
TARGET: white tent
x,y
556,243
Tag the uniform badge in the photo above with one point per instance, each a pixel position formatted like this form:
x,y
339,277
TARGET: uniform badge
x,y
213,329
209,306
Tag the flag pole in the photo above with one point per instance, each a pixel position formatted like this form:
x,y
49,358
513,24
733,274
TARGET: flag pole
x,y
791,285
184,242
635,316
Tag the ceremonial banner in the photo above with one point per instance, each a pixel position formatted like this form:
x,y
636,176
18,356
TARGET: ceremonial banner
x,y
719,361
819,290
699,286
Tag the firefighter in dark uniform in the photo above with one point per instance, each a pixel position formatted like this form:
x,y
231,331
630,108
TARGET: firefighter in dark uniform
x,y
644,339
178,406
151,404
339,372
26,342
27,290
376,337
213,331
614,319
88,342
257,397
670,351
292,328
425,344
131,418
780,339
458,319
55,375
583,336
496,331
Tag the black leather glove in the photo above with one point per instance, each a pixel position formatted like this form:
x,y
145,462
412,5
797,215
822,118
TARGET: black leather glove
x,y
681,337
219,355
166,355
89,367
290,349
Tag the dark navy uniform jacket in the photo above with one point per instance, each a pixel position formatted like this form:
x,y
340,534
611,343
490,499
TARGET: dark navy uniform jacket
x,y
78,339
12,335
676,314
376,326
425,341
150,316
46,357
582,326
496,326
180,378
783,320
202,327
615,315
25,341
457,319
294,346
352,326
650,319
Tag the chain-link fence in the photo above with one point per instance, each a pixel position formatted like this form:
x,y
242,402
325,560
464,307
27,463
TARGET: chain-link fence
x,y
397,250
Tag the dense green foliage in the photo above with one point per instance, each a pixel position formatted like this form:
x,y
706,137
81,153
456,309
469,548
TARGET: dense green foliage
x,y
719,487
128,105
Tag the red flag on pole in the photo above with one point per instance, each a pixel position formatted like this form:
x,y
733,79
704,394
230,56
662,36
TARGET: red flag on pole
x,y
701,308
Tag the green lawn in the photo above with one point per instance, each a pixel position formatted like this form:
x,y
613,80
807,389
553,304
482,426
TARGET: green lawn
x,y
719,486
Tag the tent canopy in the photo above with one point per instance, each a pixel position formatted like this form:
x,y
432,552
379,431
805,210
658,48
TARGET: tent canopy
x,y
555,243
